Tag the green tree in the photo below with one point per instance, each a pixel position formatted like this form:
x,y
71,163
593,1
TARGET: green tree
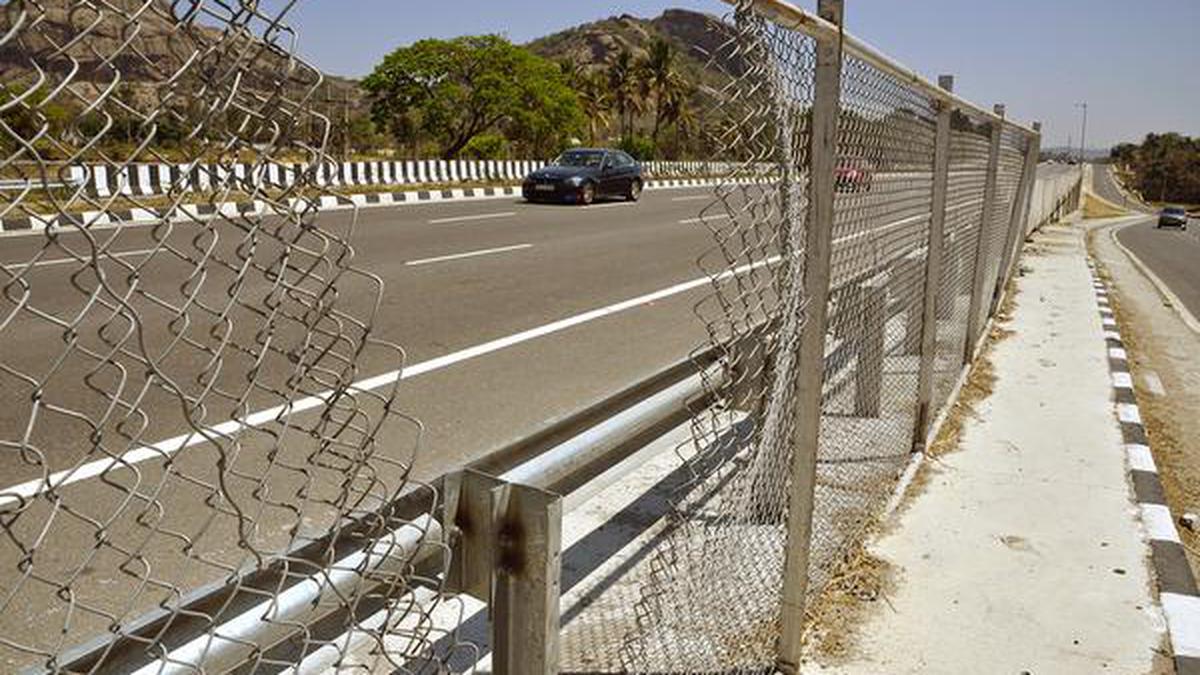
x,y
455,90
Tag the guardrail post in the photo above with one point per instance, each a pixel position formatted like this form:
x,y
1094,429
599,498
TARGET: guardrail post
x,y
819,243
908,269
975,317
506,543
869,347
937,301
525,600
1019,217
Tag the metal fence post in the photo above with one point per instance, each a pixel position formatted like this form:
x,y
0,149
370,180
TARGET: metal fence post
x,y
1019,217
937,305
975,317
819,243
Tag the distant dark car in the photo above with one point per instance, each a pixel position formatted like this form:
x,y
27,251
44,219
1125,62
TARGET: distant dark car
x,y
854,176
583,175
1173,216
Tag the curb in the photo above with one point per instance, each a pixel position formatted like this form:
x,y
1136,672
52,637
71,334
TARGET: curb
x,y
1178,592
117,217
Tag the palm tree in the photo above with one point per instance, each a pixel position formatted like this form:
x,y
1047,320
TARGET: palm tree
x,y
622,85
596,102
661,80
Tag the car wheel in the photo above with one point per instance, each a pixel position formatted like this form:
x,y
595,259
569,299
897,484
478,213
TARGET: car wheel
x,y
635,191
587,194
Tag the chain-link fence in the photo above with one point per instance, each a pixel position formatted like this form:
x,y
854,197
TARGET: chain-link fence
x,y
862,226
234,335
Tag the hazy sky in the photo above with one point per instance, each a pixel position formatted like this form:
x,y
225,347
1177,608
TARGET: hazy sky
x,y
1136,62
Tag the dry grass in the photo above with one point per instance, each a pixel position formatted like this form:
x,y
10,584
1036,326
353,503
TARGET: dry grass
x,y
834,619
1096,207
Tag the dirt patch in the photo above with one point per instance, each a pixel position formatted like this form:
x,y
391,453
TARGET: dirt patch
x,y
1169,420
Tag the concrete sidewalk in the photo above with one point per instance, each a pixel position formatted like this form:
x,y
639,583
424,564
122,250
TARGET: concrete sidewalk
x,y
1023,551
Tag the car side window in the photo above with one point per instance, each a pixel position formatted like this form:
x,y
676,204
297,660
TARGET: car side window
x,y
624,160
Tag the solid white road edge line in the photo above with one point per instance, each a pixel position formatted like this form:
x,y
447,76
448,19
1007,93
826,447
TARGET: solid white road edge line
x,y
63,261
164,449
701,219
465,219
468,254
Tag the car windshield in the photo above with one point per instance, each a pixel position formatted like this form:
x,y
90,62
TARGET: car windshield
x,y
1173,211
580,158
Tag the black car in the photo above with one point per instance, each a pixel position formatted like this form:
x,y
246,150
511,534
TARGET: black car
x,y
583,175
1173,216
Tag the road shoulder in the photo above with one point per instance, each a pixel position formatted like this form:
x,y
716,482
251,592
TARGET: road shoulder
x,y
1162,350
1027,533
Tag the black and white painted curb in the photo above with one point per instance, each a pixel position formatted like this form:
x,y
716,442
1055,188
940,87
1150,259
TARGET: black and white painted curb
x,y
1177,587
323,203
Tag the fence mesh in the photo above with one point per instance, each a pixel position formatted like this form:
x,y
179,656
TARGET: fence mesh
x,y
238,334
234,335
712,603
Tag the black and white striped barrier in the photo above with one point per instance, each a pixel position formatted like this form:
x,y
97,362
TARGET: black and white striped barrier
x,y
1178,592
323,203
142,180
157,179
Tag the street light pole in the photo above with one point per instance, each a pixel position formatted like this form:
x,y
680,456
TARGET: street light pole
x,y
1083,133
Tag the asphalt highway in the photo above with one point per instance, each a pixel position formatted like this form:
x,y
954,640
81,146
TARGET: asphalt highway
x,y
1172,255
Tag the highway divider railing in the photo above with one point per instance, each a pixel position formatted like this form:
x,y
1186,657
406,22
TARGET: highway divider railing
x,y
283,530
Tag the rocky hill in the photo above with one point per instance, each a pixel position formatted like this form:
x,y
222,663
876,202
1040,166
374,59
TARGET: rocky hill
x,y
697,37
161,41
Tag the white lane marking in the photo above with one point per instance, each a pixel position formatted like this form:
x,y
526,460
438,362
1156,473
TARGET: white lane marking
x,y
465,219
702,219
692,198
607,205
468,254
1140,458
1158,522
1183,621
64,261
164,449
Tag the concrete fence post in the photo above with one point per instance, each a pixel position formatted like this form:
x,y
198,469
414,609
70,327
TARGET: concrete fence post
x,y
938,302
975,317
807,411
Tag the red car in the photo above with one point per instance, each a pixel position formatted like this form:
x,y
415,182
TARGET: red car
x,y
853,176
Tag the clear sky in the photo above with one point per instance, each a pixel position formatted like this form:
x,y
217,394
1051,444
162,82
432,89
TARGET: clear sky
x,y
1136,62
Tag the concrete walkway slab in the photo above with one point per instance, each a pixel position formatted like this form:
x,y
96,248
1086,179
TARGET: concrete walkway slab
x,y
1025,553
